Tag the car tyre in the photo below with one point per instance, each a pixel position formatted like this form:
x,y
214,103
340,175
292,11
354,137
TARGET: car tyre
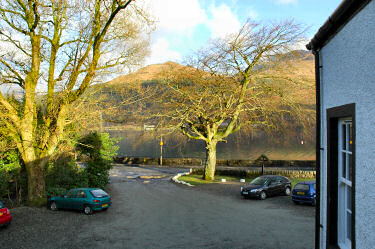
x,y
287,191
263,195
296,202
87,210
53,206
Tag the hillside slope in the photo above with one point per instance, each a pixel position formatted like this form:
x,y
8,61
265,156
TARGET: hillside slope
x,y
128,96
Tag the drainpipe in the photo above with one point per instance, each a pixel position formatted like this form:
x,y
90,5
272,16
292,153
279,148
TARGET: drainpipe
x,y
318,149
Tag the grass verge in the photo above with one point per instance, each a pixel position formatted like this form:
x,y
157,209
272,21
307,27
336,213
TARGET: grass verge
x,y
197,179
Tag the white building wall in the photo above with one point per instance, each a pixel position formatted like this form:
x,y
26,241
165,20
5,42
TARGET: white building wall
x,y
348,76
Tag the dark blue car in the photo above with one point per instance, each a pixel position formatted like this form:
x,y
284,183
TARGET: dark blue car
x,y
304,192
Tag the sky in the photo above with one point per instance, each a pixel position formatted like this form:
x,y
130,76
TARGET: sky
x,y
184,26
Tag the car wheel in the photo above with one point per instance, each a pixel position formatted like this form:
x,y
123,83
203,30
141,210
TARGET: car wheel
x,y
262,195
296,202
53,206
87,210
287,191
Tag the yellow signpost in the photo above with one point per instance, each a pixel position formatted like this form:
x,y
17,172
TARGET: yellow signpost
x,y
161,150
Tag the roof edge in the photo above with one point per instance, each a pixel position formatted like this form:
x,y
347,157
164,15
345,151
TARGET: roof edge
x,y
340,17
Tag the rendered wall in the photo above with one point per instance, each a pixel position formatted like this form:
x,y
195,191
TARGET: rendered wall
x,y
348,76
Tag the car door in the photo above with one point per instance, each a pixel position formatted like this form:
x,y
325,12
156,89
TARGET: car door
x,y
280,185
80,199
67,201
272,187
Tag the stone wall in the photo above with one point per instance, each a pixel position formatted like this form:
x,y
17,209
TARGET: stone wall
x,y
156,161
257,172
298,164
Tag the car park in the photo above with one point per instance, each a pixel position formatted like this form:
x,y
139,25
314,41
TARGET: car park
x,y
87,200
266,186
304,192
5,217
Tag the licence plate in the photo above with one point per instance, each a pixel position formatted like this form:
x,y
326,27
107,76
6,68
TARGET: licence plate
x,y
105,205
245,193
300,193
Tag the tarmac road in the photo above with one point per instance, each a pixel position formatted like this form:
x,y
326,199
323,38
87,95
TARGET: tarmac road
x,y
150,212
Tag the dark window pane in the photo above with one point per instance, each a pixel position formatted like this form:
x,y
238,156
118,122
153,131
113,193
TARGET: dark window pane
x,y
349,198
350,164
343,172
70,194
343,141
350,137
301,186
81,194
349,226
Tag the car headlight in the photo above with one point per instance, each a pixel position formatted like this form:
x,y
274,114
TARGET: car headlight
x,y
241,189
254,190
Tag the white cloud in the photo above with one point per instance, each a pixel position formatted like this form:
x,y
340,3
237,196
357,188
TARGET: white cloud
x,y
160,52
223,21
177,15
301,44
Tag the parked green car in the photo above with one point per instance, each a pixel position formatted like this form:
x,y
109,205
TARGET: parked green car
x,y
86,199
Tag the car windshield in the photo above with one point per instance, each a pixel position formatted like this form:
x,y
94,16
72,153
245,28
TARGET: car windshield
x,y
301,186
98,193
259,181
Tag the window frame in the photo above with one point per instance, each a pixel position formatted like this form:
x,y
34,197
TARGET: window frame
x,y
333,116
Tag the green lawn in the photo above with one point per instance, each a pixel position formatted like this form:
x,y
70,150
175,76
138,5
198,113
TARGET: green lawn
x,y
197,179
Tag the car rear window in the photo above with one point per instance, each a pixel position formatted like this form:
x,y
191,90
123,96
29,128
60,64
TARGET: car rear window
x,y
98,193
301,186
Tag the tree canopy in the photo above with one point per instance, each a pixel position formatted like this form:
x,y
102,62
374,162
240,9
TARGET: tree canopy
x,y
51,52
234,82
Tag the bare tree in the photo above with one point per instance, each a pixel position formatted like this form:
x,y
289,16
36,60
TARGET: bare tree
x,y
60,47
234,82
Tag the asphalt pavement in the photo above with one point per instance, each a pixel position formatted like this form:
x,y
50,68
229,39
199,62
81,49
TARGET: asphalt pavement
x,y
150,211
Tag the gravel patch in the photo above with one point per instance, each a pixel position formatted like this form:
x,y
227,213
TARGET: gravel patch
x,y
160,214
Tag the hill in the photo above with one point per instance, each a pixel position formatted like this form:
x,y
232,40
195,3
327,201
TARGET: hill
x,y
148,73
125,98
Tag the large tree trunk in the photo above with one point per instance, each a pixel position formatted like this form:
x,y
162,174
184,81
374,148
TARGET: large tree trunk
x,y
36,182
35,168
209,169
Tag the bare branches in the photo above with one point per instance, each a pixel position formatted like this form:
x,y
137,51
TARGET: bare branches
x,y
61,47
236,82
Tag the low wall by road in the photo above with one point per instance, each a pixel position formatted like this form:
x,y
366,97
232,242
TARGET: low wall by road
x,y
156,161
238,172
287,164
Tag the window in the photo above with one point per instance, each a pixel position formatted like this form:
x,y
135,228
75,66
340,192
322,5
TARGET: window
x,y
345,175
81,194
340,195
300,186
98,193
70,194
